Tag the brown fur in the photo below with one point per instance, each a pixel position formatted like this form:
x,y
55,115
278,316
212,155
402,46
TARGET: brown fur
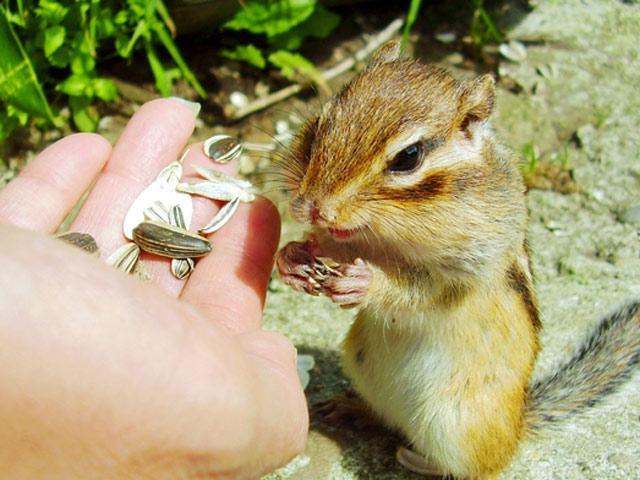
x,y
518,281
447,337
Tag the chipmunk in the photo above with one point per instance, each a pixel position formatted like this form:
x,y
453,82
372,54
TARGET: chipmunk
x,y
422,213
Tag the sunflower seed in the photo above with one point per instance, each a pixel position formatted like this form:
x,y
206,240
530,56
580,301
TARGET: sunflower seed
x,y
216,191
156,212
216,176
181,268
161,194
222,148
125,257
176,218
83,241
304,363
222,217
169,241
325,267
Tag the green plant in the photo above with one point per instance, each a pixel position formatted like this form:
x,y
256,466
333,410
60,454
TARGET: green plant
x,y
531,158
483,28
562,157
412,16
282,26
59,42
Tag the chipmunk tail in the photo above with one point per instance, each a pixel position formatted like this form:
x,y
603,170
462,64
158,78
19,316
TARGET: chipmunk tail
x,y
606,360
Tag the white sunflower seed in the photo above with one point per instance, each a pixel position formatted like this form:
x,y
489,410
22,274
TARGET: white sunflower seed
x,y
304,363
216,176
125,257
222,148
162,192
216,191
222,217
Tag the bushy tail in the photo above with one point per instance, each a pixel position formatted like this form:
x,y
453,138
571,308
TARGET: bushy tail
x,y
605,361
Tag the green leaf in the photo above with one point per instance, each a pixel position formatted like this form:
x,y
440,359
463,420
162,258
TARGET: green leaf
x,y
105,89
163,83
246,53
7,125
292,64
19,115
161,31
82,63
19,85
84,115
76,85
60,58
271,17
319,25
142,29
122,17
51,12
412,16
53,39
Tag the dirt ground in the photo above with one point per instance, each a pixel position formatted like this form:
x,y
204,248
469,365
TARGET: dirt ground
x,y
568,74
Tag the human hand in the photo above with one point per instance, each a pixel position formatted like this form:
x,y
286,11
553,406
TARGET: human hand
x,y
104,376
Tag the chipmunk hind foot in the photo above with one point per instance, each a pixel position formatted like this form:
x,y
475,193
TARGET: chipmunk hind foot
x,y
416,463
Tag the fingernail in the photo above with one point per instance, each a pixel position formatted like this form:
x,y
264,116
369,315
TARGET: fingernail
x,y
193,106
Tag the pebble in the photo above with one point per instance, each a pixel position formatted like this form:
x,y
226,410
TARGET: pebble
x,y
514,51
446,37
239,100
247,165
631,215
454,59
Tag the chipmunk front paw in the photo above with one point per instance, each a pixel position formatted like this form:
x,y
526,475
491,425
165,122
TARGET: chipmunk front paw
x,y
295,264
349,286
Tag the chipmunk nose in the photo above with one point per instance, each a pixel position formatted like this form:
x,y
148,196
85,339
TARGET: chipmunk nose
x,y
314,214
319,214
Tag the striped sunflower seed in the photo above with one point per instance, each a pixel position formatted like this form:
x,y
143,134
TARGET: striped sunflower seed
x,y
222,148
83,241
181,268
170,241
125,257
222,217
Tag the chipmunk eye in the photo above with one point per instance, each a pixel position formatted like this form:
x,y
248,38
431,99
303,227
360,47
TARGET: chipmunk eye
x,y
408,159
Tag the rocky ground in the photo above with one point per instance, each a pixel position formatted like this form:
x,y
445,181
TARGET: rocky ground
x,y
573,100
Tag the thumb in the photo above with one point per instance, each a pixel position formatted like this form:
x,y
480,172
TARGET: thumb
x,y
283,414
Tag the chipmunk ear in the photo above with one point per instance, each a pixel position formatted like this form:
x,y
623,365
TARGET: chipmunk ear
x,y
388,52
476,101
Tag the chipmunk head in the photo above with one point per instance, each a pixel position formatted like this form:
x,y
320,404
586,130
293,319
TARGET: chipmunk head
x,y
403,155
